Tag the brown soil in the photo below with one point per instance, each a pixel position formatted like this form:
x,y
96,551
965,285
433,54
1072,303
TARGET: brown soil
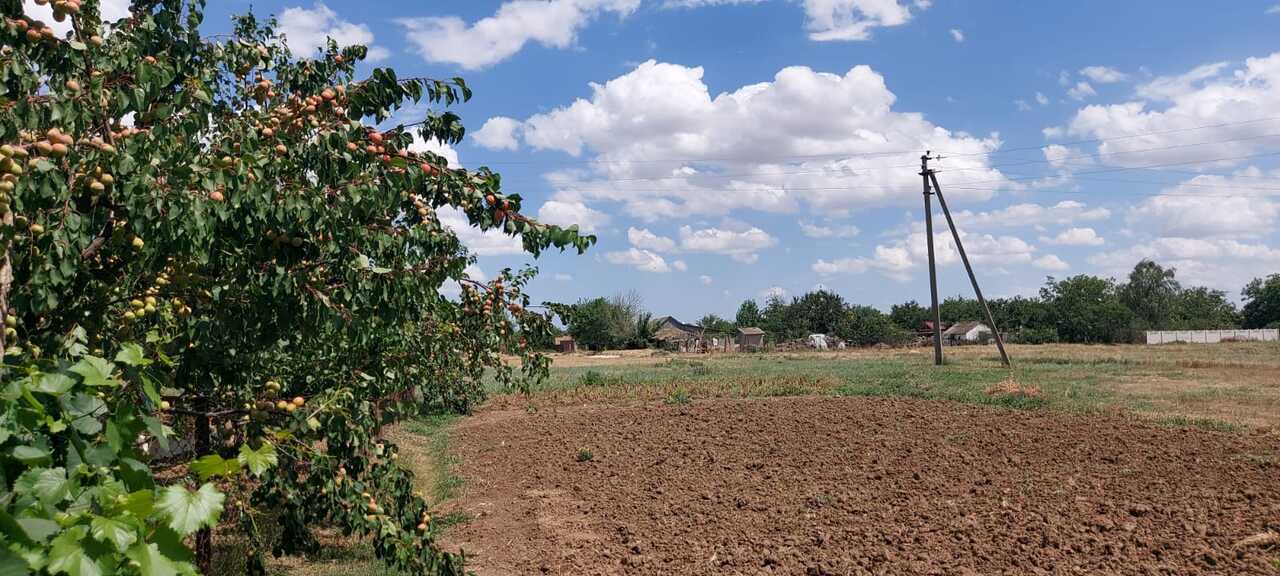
x,y
861,486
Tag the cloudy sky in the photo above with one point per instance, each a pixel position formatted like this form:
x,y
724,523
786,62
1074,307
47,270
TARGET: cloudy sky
x,y
723,149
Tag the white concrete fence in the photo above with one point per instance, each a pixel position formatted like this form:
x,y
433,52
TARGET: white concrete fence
x,y
1211,336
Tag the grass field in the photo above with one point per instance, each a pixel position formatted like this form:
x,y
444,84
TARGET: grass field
x,y
1222,386
1225,387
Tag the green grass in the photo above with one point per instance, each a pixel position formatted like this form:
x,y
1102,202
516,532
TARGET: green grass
x,y
1229,384
433,463
1212,424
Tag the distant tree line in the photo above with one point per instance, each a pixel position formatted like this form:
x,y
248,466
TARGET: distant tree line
x,y
1080,309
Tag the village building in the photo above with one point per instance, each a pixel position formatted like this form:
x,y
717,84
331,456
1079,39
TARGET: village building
x,y
967,333
750,338
674,335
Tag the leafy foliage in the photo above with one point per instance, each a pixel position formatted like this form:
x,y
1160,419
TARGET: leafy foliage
x,y
1087,309
749,315
204,241
866,326
716,324
1262,302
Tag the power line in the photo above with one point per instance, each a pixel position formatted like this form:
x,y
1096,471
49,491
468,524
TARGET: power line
x,y
1126,168
865,170
1125,137
842,155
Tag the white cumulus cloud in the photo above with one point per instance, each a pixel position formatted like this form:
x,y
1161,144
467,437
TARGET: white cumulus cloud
x,y
482,243
642,260
554,24
643,238
1103,74
566,214
1171,114
741,244
1081,91
1211,205
497,133
819,231
1051,263
847,20
667,148
1075,237
307,30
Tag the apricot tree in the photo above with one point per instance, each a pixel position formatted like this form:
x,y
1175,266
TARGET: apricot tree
x,y
214,267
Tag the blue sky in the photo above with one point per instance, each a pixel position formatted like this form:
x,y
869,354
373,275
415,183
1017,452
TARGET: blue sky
x,y
722,149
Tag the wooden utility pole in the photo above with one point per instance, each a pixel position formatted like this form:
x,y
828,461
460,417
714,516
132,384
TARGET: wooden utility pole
x,y
930,176
925,173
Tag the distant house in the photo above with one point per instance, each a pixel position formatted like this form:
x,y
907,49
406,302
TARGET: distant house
x,y
566,345
966,332
750,338
672,334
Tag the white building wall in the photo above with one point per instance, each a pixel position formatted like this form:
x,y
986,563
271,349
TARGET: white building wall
x,y
1211,336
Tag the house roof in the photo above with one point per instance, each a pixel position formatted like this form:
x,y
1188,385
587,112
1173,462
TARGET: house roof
x,y
750,331
668,328
560,339
963,328
671,321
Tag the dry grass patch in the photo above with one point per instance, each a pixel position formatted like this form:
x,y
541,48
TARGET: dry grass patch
x,y
1011,388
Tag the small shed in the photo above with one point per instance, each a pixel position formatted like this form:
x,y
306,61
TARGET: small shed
x,y
967,332
566,345
750,338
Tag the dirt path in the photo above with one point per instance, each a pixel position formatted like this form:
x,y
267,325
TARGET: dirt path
x,y
860,486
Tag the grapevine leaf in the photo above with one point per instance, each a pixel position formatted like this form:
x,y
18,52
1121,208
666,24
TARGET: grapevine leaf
x,y
150,561
214,465
113,532
53,384
67,555
31,455
260,460
189,511
132,355
11,564
95,371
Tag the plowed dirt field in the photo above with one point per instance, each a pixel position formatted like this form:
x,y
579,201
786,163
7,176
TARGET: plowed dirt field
x,y
860,486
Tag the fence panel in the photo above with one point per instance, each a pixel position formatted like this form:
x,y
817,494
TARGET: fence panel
x,y
1211,336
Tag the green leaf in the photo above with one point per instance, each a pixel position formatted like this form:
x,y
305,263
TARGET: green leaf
x,y
260,460
67,555
113,532
53,384
132,355
49,484
150,561
38,529
95,371
214,465
189,511
139,503
136,475
11,564
84,410
43,165
31,455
